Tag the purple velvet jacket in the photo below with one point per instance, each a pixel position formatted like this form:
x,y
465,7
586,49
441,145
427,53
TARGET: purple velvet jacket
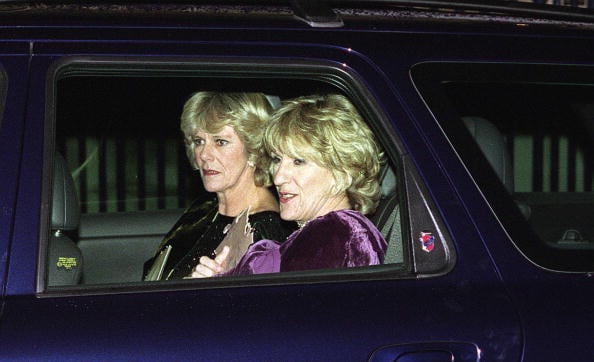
x,y
339,239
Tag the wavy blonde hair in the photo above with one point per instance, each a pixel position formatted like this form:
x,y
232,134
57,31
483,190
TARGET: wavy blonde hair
x,y
246,113
328,130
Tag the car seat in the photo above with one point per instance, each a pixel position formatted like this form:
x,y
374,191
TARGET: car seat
x,y
493,144
387,216
64,257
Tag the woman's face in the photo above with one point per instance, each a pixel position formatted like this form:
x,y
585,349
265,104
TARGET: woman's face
x,y
222,160
306,190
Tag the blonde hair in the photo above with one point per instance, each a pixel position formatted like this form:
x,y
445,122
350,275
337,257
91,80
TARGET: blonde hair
x,y
329,131
246,113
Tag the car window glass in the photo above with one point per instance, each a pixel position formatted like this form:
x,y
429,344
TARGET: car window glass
x,y
536,134
120,140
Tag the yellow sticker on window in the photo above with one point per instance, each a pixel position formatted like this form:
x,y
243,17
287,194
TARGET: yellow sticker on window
x,y
66,262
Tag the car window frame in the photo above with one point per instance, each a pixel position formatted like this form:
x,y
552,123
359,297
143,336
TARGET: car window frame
x,y
429,78
343,78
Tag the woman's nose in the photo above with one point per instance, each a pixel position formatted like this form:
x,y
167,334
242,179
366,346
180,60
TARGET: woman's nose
x,y
280,175
203,152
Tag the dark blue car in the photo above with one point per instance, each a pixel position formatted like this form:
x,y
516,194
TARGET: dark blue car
x,y
485,113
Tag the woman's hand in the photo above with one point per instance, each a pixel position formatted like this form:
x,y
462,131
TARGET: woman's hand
x,y
210,267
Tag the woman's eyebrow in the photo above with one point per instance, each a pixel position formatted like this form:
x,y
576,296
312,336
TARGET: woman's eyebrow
x,y
226,134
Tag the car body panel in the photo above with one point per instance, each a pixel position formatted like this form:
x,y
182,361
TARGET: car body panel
x,y
15,62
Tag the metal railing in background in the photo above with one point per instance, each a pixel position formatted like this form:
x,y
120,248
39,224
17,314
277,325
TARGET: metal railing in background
x,y
552,163
124,174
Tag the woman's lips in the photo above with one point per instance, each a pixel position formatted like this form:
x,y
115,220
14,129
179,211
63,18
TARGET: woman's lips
x,y
207,172
285,197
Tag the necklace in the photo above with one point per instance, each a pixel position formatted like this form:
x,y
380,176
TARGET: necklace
x,y
301,224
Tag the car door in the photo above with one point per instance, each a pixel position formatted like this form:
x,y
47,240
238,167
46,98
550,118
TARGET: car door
x,y
430,303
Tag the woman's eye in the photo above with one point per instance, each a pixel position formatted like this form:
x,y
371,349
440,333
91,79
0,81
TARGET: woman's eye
x,y
197,141
298,161
275,159
221,142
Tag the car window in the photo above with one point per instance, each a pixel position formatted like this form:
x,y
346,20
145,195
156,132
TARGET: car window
x,y
534,125
118,133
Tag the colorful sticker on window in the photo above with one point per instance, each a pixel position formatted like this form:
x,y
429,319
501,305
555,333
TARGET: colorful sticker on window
x,y
427,241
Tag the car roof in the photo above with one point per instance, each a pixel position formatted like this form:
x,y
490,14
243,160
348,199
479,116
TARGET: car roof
x,y
360,15
311,9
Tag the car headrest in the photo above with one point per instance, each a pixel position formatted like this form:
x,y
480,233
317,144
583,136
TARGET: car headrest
x,y
65,206
274,101
387,181
494,146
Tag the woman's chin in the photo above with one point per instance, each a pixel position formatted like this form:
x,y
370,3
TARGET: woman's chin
x,y
287,216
